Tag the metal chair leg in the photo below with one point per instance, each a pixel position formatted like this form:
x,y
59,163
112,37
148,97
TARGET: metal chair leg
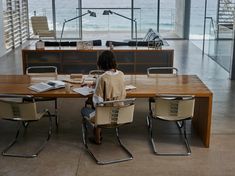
x,y
169,154
150,113
179,124
186,140
84,135
5,151
56,115
147,121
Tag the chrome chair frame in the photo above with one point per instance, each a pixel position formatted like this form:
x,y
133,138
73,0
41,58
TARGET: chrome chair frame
x,y
25,123
54,74
96,72
113,125
181,124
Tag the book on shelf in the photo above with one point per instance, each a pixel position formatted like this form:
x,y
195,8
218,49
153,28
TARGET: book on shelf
x,y
45,86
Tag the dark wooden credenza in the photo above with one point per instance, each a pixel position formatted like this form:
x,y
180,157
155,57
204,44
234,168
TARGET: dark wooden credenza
x,y
70,60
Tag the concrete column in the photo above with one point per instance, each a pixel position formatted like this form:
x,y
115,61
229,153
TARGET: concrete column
x,y
182,18
2,40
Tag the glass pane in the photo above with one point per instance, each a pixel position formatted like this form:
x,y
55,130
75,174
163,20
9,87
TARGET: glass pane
x,y
66,10
146,16
218,34
170,12
197,19
40,8
107,27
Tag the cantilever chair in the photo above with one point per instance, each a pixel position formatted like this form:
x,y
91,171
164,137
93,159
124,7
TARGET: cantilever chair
x,y
45,71
93,74
14,108
110,114
154,71
176,108
40,27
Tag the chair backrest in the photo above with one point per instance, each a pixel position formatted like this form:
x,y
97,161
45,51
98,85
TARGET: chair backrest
x,y
174,107
115,112
16,110
162,70
42,71
39,23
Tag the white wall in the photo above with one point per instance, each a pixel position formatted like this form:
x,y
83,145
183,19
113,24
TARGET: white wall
x,y
2,43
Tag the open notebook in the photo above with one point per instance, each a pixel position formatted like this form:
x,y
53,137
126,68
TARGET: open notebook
x,y
45,86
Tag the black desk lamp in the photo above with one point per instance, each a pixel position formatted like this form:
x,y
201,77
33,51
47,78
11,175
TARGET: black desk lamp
x,y
108,12
93,14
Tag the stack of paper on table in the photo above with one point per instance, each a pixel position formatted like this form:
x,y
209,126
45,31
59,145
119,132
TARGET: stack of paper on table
x,y
84,90
89,80
75,78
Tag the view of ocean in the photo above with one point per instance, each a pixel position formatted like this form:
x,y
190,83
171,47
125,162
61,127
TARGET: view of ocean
x,y
145,14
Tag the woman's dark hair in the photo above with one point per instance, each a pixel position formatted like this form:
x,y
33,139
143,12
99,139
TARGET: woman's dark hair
x,y
107,61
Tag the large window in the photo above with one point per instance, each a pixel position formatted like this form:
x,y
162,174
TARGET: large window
x,y
15,22
156,14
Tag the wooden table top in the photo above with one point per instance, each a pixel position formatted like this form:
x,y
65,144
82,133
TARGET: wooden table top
x,y
145,86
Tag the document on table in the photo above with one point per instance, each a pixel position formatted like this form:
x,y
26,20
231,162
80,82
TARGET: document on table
x,y
84,90
130,87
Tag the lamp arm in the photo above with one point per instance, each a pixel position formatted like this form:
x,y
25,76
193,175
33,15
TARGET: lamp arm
x,y
76,17
130,20
122,16
65,21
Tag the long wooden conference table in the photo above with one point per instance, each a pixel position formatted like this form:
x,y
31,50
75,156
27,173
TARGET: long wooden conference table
x,y
145,87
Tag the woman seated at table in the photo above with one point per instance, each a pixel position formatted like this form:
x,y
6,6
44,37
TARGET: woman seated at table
x,y
109,86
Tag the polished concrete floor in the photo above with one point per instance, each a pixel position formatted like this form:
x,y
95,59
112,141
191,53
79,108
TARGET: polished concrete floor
x,y
64,155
